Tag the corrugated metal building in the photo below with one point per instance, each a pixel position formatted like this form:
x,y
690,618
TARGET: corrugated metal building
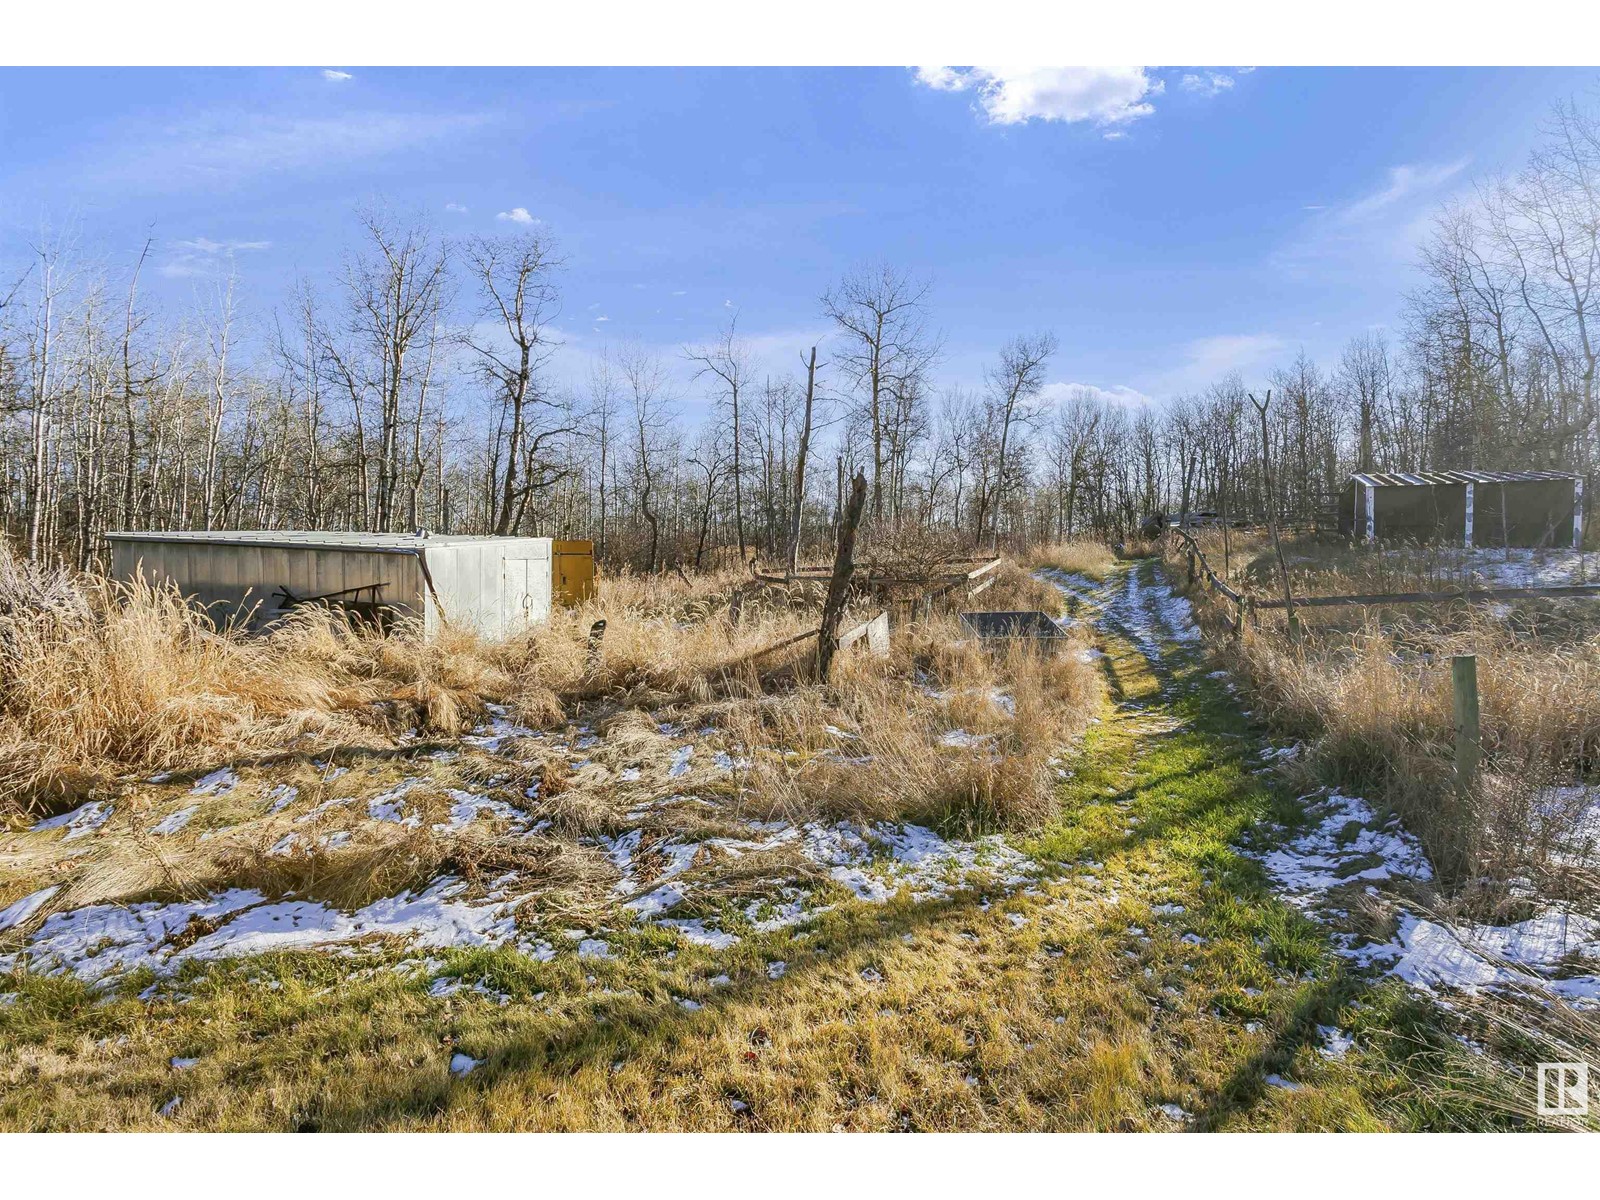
x,y
494,584
1475,508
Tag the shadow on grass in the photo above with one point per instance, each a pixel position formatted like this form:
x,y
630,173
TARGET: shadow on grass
x,y
1317,1002
601,1040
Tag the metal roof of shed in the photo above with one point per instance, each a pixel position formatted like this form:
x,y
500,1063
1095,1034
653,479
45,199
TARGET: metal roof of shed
x,y
309,539
1455,478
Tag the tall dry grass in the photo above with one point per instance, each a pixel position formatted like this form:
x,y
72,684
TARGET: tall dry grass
x,y
133,679
1371,695
943,731
1091,559
108,681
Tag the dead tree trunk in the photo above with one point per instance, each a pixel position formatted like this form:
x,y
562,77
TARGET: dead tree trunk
x,y
1272,512
800,466
844,565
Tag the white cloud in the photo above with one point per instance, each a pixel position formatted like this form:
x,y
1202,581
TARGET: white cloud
x,y
204,245
1377,231
942,79
1406,180
1016,95
337,76
1114,135
518,216
455,208
1120,394
203,256
1210,83
680,293
1206,360
602,318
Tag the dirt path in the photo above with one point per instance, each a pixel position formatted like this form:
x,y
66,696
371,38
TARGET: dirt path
x,y
1281,893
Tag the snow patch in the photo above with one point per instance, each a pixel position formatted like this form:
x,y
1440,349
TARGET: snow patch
x,y
175,822
218,783
23,909
80,822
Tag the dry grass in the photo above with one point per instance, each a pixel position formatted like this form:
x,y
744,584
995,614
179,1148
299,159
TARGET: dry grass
x,y
106,680
944,732
141,682
1092,560
1370,692
1077,1004
138,683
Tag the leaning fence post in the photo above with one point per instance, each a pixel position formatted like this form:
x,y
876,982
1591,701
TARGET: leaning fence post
x,y
1469,742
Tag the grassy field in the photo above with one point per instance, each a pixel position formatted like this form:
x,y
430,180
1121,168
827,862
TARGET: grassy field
x,y
1148,978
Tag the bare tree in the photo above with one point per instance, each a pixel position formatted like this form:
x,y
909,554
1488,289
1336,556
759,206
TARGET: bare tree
x,y
601,414
645,378
517,298
804,449
880,313
395,292
1014,384
728,362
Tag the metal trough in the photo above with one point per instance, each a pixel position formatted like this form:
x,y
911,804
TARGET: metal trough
x,y
1036,628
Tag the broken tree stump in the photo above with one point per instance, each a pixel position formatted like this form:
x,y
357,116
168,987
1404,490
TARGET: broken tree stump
x,y
844,565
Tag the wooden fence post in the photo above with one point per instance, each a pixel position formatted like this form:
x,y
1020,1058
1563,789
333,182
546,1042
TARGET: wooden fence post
x,y
1469,739
844,565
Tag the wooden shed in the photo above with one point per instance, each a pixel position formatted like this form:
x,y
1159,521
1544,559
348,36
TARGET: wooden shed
x,y
1473,508
496,585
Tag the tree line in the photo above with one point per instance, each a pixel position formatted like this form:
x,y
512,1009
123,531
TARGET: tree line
x,y
415,387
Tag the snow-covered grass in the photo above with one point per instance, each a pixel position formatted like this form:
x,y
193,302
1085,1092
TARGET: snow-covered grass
x,y
1348,855
1324,567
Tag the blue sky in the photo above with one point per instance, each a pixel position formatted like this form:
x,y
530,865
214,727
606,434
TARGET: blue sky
x,y
1167,223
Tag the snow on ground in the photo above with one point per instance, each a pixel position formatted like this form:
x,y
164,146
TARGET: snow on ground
x,y
23,909
102,942
1573,817
1149,615
500,729
1080,587
80,822
1516,567
175,822
1519,956
1337,849
467,807
1348,843
219,783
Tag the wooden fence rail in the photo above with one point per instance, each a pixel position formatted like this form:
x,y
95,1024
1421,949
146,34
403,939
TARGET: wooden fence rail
x,y
1243,603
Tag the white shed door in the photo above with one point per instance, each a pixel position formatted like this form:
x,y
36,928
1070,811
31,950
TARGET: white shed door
x,y
516,591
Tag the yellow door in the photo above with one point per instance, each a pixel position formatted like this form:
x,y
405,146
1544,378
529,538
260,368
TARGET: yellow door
x,y
574,571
